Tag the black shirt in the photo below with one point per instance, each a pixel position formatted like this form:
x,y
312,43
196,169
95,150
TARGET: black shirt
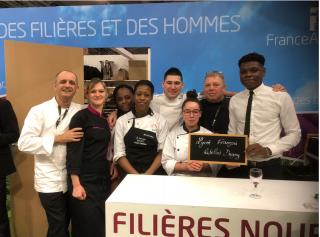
x,y
89,155
218,112
9,133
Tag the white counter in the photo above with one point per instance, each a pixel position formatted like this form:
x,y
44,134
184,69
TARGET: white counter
x,y
221,206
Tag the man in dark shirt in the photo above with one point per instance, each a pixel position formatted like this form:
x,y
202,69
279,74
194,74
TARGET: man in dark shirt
x,y
215,112
215,105
9,133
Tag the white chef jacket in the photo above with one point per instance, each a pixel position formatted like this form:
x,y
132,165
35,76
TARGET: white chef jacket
x,y
37,138
271,111
176,150
152,122
169,109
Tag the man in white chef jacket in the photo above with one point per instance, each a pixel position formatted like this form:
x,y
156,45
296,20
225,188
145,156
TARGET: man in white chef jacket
x,y
169,103
44,135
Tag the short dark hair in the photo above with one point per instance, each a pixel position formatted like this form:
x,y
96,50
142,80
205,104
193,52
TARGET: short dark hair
x,y
121,86
252,57
173,71
144,83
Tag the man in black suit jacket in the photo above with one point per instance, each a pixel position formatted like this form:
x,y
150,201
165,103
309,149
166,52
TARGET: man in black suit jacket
x,y
9,133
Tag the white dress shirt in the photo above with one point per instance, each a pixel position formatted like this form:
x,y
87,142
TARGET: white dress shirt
x,y
37,138
153,123
271,111
169,109
176,150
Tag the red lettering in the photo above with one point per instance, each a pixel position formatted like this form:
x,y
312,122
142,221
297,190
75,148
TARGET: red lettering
x,y
289,230
302,230
140,226
155,225
166,225
314,230
186,227
117,222
220,227
202,227
268,225
131,223
245,226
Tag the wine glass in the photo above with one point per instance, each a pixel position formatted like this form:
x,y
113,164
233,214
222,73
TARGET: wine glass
x,y
255,177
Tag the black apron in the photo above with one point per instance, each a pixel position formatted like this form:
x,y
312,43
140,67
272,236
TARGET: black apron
x,y
141,148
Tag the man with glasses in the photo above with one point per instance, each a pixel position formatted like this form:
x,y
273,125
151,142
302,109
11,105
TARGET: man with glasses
x,y
169,103
44,135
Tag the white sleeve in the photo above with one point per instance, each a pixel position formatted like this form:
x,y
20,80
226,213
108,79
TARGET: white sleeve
x,y
163,132
290,124
168,160
154,105
232,129
118,145
31,141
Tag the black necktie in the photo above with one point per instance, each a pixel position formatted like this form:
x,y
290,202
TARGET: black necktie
x,y
248,115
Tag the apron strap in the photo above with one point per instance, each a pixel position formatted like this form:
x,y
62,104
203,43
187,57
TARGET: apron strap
x,y
133,122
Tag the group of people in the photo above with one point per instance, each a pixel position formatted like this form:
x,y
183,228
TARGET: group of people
x,y
72,145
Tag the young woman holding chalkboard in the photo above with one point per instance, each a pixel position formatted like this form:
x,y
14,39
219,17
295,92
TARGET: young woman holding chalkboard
x,y
175,152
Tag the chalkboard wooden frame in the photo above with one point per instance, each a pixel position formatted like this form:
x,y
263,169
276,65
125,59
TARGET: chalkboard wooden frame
x,y
225,153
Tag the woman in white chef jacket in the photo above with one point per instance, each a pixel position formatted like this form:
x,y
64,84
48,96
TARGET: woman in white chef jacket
x,y
140,135
175,152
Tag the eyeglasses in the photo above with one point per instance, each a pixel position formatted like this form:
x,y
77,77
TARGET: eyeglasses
x,y
189,112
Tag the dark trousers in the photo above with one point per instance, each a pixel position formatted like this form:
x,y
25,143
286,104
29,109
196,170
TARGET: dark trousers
x,y
271,169
56,208
88,216
4,220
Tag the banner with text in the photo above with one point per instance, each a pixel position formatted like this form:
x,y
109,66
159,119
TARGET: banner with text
x,y
196,37
128,219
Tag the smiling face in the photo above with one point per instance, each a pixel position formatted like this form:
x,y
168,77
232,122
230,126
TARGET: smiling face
x,y
191,114
251,74
214,88
65,86
97,95
124,99
172,86
142,98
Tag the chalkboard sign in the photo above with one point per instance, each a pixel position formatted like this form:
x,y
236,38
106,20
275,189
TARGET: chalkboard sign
x,y
218,148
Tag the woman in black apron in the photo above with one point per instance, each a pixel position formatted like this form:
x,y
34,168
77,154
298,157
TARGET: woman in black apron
x,y
89,171
140,135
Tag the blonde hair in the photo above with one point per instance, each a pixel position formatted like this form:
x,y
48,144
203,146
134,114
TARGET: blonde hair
x,y
94,81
